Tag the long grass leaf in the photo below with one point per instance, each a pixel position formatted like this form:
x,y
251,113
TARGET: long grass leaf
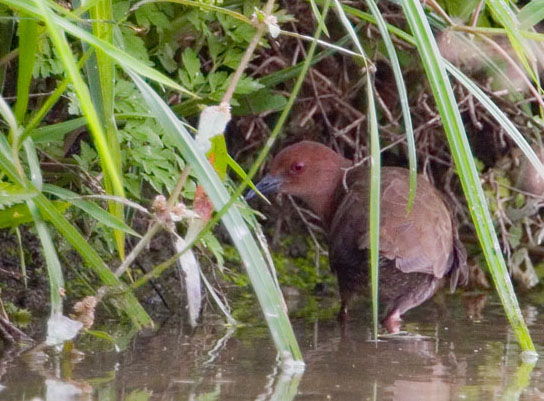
x,y
466,168
498,115
531,14
7,25
7,115
56,132
403,98
375,172
505,15
54,270
65,54
52,263
92,209
101,77
269,297
28,35
319,18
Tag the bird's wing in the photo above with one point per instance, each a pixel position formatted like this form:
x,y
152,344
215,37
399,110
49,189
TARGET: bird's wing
x,y
420,241
345,232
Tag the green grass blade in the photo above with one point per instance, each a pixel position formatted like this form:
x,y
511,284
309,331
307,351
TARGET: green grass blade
x,y
54,270
464,162
92,209
505,15
56,132
101,77
268,295
200,5
65,54
17,215
52,263
531,14
28,35
375,172
11,194
7,24
375,190
498,115
403,98
103,11
319,18
8,116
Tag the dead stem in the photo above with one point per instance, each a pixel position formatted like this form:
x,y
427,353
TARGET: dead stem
x,y
156,226
261,28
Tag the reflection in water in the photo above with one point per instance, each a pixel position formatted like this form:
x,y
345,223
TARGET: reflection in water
x,y
459,358
519,382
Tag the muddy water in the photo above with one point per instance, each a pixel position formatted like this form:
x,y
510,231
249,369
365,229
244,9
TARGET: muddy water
x,y
458,349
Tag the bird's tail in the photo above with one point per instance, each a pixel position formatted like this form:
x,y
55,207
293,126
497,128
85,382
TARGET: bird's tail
x,y
459,268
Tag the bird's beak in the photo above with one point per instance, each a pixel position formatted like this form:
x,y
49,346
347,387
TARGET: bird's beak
x,y
268,185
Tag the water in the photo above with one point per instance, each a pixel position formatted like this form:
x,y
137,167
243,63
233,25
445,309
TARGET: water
x,y
459,348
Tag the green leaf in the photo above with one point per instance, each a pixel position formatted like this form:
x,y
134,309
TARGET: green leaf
x,y
233,57
11,194
319,18
217,79
149,15
503,13
218,155
191,63
242,174
90,208
134,45
531,14
259,102
56,132
28,34
102,335
19,214
247,85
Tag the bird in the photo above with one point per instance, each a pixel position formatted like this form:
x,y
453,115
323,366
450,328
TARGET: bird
x,y
419,249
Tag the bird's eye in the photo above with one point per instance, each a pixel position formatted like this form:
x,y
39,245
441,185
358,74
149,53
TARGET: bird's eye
x,y
297,167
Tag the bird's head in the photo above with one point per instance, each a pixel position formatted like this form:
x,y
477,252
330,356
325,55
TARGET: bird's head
x,y
308,170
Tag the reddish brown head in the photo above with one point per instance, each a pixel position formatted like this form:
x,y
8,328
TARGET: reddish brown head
x,y
307,170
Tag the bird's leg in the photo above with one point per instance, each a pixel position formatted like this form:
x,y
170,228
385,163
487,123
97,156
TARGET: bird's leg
x,y
343,313
392,322
420,292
